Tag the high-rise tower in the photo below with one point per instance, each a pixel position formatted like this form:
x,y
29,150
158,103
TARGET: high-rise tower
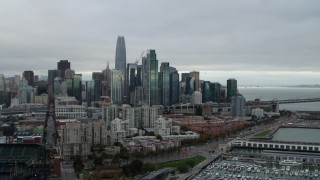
x,y
232,89
121,61
150,80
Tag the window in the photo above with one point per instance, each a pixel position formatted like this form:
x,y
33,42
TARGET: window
x,y
276,146
310,148
299,147
265,145
287,147
271,146
293,147
316,148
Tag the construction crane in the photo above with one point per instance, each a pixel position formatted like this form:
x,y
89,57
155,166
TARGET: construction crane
x,y
137,61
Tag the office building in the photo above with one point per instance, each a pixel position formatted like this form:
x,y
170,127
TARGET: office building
x,y
196,76
93,92
109,113
121,61
216,92
116,86
5,98
52,74
26,94
2,83
119,130
69,73
63,65
232,89
29,75
97,76
206,91
163,127
174,87
190,85
196,97
131,80
238,106
164,84
77,87
150,80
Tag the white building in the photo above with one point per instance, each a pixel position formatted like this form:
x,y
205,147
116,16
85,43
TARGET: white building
x,y
43,99
257,113
96,132
163,127
140,117
109,113
71,111
196,97
119,130
72,141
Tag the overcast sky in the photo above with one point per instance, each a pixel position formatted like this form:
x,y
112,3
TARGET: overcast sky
x,y
258,42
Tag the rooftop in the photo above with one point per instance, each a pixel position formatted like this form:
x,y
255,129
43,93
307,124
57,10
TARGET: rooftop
x,y
306,135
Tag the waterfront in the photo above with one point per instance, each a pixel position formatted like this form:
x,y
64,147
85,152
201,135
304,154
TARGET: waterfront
x,y
270,93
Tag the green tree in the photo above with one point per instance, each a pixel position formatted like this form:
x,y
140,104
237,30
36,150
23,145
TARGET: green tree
x,y
78,165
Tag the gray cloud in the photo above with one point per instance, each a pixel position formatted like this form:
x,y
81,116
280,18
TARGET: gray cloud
x,y
225,36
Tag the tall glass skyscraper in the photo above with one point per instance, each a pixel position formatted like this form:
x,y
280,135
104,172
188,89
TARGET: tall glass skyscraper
x,y
174,87
121,61
150,80
164,84
206,91
77,87
93,92
232,88
116,86
215,90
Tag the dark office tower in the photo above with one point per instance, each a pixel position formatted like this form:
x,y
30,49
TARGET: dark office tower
x,y
164,84
215,92
36,79
69,82
183,76
42,87
68,74
190,85
63,65
206,91
232,88
131,79
5,98
139,75
150,80
77,87
121,61
93,92
29,75
174,87
97,76
53,74
196,77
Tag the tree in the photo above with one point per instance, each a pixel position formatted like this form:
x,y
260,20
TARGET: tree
x,y
159,137
78,165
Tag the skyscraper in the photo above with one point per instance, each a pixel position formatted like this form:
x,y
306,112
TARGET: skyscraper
x,y
174,87
232,88
215,90
150,80
131,80
93,92
164,84
121,61
63,65
29,75
238,108
196,77
206,91
2,83
116,86
77,87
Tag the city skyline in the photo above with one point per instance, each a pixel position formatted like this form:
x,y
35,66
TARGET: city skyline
x,y
258,43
